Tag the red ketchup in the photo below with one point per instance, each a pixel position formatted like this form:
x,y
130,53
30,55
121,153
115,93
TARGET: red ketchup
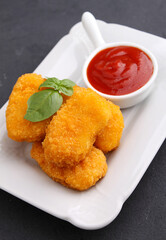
x,y
119,70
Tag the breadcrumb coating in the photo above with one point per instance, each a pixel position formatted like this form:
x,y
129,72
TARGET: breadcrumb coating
x,y
79,177
73,130
20,129
67,154
109,138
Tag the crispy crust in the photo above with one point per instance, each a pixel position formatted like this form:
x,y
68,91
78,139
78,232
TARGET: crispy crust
x,y
80,177
72,132
20,129
109,138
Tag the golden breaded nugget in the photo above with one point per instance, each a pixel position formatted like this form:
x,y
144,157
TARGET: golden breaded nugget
x,y
80,177
20,129
73,130
109,137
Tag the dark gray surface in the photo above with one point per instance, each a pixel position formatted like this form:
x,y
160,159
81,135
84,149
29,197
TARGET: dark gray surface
x,y
28,31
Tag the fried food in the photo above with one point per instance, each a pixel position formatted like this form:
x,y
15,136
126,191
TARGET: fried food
x,y
67,153
80,177
109,138
73,130
20,129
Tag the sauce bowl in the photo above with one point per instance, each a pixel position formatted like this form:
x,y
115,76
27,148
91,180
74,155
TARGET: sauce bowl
x,y
126,100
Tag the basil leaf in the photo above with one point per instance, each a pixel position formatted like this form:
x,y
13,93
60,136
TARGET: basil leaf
x,y
67,91
67,83
51,83
42,105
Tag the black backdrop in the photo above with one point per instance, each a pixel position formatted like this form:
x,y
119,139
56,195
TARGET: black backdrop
x,y
28,31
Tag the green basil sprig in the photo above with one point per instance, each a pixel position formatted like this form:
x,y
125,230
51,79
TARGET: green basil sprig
x,y
43,104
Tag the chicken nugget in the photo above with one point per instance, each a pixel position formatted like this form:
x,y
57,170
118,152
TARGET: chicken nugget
x,y
109,138
73,130
80,177
20,129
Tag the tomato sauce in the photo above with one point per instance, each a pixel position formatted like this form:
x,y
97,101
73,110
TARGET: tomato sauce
x,y
119,70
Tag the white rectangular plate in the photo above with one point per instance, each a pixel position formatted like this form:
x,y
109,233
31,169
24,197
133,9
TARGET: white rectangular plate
x,y
145,128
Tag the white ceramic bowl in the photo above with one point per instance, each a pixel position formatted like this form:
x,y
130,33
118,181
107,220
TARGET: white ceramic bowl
x,y
127,100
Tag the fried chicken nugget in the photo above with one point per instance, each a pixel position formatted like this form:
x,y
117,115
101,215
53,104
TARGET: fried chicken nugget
x,y
72,132
20,129
109,138
80,177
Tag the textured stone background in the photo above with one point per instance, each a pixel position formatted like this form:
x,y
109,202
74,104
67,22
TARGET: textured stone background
x,y
28,31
